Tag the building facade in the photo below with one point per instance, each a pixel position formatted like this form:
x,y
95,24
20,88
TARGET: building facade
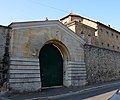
x,y
108,37
98,34
81,27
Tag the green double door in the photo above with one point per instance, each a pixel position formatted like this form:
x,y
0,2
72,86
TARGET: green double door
x,y
51,66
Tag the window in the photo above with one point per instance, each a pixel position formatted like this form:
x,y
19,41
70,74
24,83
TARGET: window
x,y
116,36
112,34
108,45
101,30
117,47
113,46
107,32
89,39
81,32
82,35
102,43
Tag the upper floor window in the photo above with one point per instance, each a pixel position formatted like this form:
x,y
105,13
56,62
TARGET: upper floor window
x,y
112,34
82,35
89,38
116,36
102,43
101,30
113,46
108,45
117,47
107,32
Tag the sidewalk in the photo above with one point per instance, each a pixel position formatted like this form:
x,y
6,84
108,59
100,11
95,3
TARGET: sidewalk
x,y
56,92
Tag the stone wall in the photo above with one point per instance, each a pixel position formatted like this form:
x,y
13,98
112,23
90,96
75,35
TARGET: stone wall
x,y
24,73
102,64
4,53
2,43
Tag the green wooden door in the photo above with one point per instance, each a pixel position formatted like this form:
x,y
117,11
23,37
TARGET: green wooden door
x,y
51,66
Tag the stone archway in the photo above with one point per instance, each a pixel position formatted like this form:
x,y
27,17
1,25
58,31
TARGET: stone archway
x,y
53,57
24,68
51,66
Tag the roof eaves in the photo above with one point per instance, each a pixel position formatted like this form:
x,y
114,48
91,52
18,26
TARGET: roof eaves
x,y
99,23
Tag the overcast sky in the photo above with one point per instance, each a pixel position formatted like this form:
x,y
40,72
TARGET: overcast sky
x,y
105,11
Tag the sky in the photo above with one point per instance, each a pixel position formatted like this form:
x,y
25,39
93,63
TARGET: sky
x,y
104,11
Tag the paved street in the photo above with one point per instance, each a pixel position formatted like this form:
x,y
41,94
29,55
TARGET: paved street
x,y
98,92
94,94
103,96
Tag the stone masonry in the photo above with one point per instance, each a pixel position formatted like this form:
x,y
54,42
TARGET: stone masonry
x,y
4,53
102,64
28,38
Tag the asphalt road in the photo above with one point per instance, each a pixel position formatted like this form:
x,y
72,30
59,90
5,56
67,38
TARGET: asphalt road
x,y
60,93
91,93
103,96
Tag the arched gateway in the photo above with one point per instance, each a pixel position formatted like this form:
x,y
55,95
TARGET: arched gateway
x,y
44,54
51,66
53,58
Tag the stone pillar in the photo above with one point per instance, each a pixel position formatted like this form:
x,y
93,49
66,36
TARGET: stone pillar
x,y
75,73
24,75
